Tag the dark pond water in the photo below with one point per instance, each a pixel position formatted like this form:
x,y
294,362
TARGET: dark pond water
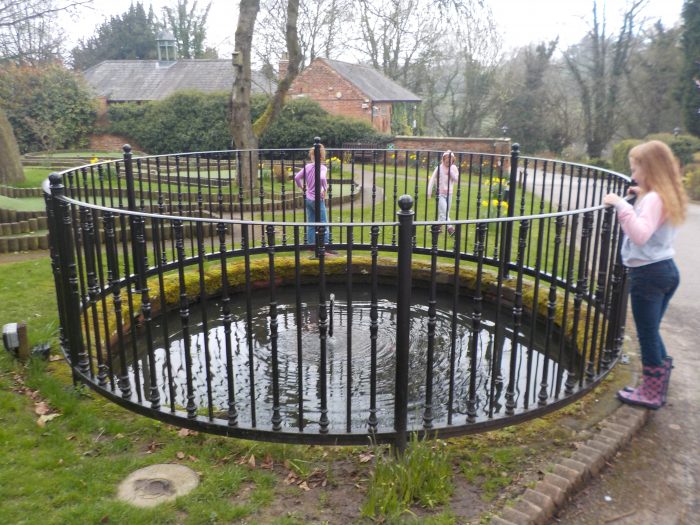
x,y
347,363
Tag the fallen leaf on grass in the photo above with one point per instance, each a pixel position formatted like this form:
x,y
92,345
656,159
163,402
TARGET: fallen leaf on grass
x,y
251,461
365,457
267,463
56,358
41,408
180,455
192,458
184,432
303,486
45,418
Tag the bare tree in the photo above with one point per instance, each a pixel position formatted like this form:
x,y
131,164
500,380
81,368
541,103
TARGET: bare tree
x,y
321,29
27,29
598,66
460,80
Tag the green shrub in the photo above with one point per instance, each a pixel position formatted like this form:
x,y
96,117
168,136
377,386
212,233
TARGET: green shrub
x,y
184,122
303,119
48,106
195,121
620,153
683,146
692,181
423,475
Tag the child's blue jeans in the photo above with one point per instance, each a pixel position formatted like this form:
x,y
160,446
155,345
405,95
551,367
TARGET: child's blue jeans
x,y
310,217
651,288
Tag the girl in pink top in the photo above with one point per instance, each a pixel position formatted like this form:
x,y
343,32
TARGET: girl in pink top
x,y
446,176
306,176
649,228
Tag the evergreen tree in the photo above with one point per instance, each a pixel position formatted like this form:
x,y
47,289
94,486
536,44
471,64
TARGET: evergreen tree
x,y
690,79
129,36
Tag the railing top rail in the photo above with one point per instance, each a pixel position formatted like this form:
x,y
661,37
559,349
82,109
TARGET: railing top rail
x,y
214,220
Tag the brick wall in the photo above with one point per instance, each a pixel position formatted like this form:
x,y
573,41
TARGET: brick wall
x,y
106,142
339,97
456,144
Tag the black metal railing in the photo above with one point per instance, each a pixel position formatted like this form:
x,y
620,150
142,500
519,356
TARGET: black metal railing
x,y
187,291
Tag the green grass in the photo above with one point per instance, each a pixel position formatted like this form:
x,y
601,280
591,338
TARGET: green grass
x,y
422,475
25,204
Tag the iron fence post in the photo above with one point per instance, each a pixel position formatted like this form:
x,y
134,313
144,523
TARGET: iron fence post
x,y
317,195
52,214
69,281
507,230
135,222
403,319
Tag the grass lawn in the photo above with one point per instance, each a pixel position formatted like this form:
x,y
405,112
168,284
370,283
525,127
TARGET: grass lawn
x,y
27,204
68,470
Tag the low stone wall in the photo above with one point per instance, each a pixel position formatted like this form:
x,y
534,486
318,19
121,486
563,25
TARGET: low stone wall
x,y
9,191
498,146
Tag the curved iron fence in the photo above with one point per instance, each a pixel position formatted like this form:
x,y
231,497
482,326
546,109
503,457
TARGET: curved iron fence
x,y
205,236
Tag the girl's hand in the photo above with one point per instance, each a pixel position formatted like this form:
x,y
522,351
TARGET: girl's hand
x,y
611,199
634,190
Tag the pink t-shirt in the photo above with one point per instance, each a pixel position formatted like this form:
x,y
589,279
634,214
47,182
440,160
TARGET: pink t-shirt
x,y
445,183
307,173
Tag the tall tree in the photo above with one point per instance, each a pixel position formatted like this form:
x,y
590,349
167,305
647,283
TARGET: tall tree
x,y
690,78
131,35
188,27
10,166
651,80
245,133
18,17
598,66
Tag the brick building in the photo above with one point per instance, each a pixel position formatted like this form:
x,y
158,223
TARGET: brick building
x,y
353,90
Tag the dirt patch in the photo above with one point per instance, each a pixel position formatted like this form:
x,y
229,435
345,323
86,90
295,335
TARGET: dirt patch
x,y
7,258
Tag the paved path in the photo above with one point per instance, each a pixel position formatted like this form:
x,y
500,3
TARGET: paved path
x,y
656,479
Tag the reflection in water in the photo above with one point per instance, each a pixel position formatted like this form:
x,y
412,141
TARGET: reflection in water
x,y
349,343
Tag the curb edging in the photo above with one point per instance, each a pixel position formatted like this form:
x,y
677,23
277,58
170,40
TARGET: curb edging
x,y
566,476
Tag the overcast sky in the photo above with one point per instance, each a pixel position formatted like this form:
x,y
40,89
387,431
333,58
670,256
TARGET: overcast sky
x,y
520,21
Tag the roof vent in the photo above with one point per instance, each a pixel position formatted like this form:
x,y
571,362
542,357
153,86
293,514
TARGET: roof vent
x,y
167,49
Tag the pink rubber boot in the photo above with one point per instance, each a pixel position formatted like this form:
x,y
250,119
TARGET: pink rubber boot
x,y
650,393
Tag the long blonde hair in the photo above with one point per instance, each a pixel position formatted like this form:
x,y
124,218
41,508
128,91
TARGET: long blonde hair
x,y
321,151
662,174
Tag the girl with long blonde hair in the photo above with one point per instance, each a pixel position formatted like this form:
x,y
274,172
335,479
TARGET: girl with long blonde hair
x,y
649,227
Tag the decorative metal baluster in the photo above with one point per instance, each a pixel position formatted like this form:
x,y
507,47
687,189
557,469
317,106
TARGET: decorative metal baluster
x,y
517,318
199,227
476,321
245,246
261,197
227,320
453,326
396,194
113,277
602,357
185,318
153,394
551,310
276,417
93,290
535,310
322,327
564,316
298,320
432,322
373,329
284,203
348,332
581,286
160,263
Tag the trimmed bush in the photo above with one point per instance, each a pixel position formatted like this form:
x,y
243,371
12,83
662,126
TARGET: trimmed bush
x,y
692,181
683,146
184,122
620,153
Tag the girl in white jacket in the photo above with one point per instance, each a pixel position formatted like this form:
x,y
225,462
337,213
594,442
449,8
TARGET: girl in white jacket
x,y
446,176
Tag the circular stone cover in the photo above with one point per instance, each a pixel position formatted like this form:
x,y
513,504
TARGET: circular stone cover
x,y
152,485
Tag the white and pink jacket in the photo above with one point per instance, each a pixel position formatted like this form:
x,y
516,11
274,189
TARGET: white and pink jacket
x,y
648,235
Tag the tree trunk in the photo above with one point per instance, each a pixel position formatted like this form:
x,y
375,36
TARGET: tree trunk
x,y
245,134
241,121
10,165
